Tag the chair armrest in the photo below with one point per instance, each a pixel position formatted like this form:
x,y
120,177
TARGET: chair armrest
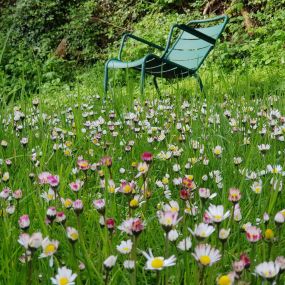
x,y
126,36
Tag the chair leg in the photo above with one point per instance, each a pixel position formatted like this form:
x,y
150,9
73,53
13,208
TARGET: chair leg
x,y
142,79
156,86
198,78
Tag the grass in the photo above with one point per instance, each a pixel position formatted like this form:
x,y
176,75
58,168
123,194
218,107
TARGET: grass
x,y
232,113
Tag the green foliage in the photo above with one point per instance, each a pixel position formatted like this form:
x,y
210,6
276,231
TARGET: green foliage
x,y
33,29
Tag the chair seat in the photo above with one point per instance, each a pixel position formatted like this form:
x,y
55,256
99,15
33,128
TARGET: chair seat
x,y
154,65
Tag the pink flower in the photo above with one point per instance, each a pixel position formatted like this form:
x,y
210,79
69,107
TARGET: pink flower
x,y
253,234
53,180
99,205
76,186
234,195
83,164
18,194
24,222
4,194
78,206
43,177
147,157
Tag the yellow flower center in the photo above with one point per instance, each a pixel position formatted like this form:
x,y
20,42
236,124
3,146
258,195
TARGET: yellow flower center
x,y
126,249
134,203
217,217
127,188
269,234
67,203
111,189
157,263
205,260
63,281
203,234
165,180
50,196
257,190
217,151
224,280
74,236
174,209
274,170
50,248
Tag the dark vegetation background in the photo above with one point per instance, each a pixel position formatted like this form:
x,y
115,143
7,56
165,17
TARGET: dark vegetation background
x,y
49,43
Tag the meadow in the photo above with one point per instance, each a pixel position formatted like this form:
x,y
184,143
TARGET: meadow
x,y
186,188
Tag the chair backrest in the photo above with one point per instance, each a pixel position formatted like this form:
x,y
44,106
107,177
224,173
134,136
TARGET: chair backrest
x,y
190,51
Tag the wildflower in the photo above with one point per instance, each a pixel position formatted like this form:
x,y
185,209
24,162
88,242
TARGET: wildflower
x,y
129,264
217,151
49,196
53,180
110,262
64,277
172,235
275,169
99,205
72,234
5,193
245,259
110,223
234,195
142,169
24,222
147,157
132,226
280,261
134,203
216,213
185,244
18,194
279,218
238,266
83,164
168,219
6,176
43,177
60,218
76,186
157,263
263,148
127,187
269,234
125,247
224,234
204,193
206,255
253,234
256,187
49,249
67,203
78,206
107,161
226,279
51,213
267,270
202,231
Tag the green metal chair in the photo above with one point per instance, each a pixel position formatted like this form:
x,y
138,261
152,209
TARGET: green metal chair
x,y
183,58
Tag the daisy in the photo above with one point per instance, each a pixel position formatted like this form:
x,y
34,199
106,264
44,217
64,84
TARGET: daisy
x,y
110,262
274,169
253,234
202,231
185,244
168,219
216,213
76,186
49,249
234,195
157,263
206,255
267,270
64,277
72,234
256,187
125,247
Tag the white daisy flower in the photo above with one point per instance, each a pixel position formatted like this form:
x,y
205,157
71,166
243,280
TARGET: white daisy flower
x,y
125,247
202,231
64,277
267,270
206,255
216,213
158,263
